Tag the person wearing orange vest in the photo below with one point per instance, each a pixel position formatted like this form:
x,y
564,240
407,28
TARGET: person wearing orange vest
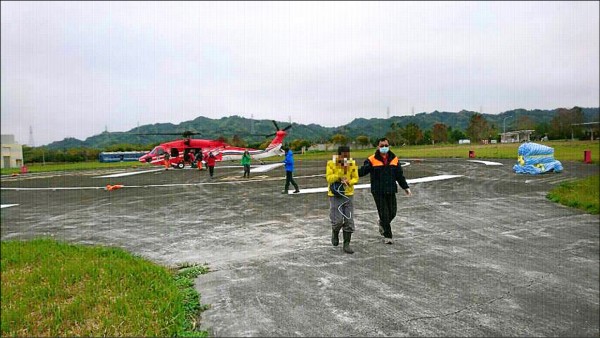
x,y
167,161
385,171
341,175
199,158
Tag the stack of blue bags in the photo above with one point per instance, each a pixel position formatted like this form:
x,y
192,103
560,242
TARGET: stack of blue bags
x,y
536,159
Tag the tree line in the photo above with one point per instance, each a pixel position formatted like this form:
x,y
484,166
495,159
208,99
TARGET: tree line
x,y
560,127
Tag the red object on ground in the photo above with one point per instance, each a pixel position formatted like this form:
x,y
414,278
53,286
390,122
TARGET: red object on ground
x,y
24,169
471,153
113,187
587,156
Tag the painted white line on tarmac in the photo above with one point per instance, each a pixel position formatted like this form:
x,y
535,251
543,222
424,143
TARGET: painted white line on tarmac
x,y
259,168
431,178
52,189
368,185
7,205
130,173
486,162
266,167
238,181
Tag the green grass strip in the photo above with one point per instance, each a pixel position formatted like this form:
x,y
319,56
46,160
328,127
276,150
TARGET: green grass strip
x,y
66,166
581,194
57,289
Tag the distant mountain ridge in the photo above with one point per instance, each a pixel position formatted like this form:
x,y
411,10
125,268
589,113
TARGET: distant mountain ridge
x,y
245,128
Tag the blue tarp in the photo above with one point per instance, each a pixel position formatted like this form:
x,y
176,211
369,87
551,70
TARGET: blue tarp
x,y
536,159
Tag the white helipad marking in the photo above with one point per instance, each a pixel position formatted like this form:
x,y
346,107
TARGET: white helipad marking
x,y
7,205
236,181
368,185
55,188
266,167
261,168
130,173
431,178
485,162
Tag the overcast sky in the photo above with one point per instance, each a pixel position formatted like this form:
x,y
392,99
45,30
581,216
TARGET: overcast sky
x,y
72,69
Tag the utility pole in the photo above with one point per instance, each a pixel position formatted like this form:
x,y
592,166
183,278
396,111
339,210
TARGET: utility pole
x,y
388,112
31,143
504,128
504,123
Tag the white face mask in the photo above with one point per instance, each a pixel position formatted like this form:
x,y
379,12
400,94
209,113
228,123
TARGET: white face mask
x,y
384,150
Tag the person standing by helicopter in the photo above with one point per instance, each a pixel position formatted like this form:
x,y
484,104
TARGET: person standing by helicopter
x,y
192,159
246,163
199,159
167,161
210,163
289,170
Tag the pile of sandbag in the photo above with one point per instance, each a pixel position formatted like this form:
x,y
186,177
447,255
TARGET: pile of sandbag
x,y
536,159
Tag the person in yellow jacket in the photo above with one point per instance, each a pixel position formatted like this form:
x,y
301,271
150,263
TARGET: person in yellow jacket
x,y
341,175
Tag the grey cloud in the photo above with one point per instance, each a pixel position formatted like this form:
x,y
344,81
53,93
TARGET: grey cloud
x,y
72,68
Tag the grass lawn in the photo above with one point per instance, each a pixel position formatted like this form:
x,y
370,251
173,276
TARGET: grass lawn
x,y
51,288
563,151
37,167
581,194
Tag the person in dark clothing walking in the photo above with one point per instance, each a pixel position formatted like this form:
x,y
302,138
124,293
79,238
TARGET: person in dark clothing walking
x,y
385,171
289,170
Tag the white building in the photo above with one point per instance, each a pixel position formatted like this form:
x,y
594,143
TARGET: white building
x,y
516,136
12,153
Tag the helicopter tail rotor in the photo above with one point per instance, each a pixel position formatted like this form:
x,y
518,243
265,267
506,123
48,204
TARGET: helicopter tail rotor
x,y
276,128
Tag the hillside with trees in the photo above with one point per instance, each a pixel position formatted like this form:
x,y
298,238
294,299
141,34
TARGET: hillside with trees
x,y
422,128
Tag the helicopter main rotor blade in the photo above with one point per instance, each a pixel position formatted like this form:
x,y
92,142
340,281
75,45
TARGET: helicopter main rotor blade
x,y
165,134
286,128
188,133
276,126
185,134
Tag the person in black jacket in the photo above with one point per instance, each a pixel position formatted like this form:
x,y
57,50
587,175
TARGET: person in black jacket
x,y
385,171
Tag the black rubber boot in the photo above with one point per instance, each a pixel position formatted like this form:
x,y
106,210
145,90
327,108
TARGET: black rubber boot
x,y
335,237
347,237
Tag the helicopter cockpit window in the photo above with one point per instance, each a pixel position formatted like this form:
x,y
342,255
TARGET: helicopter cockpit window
x,y
159,151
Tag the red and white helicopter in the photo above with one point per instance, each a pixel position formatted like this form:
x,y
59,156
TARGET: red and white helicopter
x,y
179,151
